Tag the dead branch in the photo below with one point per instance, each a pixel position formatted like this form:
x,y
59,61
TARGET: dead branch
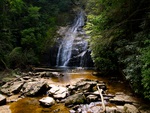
x,y
102,99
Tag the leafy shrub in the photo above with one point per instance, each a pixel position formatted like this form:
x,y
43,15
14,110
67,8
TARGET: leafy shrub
x,y
16,58
146,71
30,56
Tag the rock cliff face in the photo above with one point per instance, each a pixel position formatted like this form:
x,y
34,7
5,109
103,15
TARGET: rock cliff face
x,y
73,45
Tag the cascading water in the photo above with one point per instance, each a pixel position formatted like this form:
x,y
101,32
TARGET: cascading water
x,y
74,44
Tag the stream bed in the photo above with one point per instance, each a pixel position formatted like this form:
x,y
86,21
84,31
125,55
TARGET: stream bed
x,y
114,85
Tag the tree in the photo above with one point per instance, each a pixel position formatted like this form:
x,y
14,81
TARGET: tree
x,y
119,31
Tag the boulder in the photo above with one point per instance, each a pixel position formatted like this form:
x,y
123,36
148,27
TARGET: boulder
x,y
144,108
55,74
5,109
75,99
120,109
34,88
121,99
12,87
111,109
84,82
96,109
2,100
13,98
72,87
85,88
53,89
47,101
58,92
82,86
43,74
92,98
72,111
50,74
128,108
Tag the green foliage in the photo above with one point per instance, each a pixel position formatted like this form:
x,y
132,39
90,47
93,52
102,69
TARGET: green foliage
x,y
102,55
16,6
30,25
15,58
100,21
30,57
29,38
34,12
145,68
19,58
119,33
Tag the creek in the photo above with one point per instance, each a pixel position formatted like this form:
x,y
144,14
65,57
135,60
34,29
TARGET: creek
x,y
71,76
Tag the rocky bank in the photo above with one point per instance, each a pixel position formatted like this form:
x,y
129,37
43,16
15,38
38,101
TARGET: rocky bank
x,y
80,97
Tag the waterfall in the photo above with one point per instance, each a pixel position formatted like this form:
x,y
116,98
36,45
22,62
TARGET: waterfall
x,y
73,45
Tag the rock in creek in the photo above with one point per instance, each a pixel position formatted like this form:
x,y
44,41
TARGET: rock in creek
x,y
121,99
34,88
5,109
58,92
2,100
13,98
128,108
12,87
47,101
85,86
92,98
75,99
51,74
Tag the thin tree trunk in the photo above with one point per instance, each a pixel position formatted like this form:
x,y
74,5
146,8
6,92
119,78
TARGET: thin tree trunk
x,y
4,64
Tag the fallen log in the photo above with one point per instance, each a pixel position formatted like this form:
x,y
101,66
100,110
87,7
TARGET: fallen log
x,y
102,99
36,69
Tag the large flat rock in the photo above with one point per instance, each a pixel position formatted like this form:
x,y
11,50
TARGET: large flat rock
x,y
34,88
12,87
121,99
5,109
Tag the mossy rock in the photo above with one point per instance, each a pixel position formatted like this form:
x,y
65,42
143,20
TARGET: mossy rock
x,y
75,99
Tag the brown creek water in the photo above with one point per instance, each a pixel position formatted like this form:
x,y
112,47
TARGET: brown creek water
x,y
32,105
